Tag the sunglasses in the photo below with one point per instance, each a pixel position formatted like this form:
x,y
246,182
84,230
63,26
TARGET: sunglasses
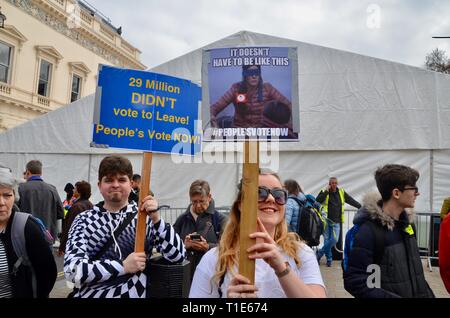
x,y
280,195
416,189
254,72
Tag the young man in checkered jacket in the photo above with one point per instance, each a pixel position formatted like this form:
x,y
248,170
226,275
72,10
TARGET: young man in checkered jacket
x,y
117,271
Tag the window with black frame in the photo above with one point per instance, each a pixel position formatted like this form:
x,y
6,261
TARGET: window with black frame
x,y
5,62
44,78
76,88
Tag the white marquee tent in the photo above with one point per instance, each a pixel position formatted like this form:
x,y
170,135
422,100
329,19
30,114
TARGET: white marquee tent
x,y
356,113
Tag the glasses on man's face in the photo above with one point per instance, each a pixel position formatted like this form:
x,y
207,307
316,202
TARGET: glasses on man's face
x,y
416,189
199,202
280,195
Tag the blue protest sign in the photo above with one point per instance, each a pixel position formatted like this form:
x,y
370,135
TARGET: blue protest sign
x,y
146,111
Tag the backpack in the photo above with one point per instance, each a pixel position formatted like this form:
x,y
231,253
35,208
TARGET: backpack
x,y
350,238
19,243
310,224
215,223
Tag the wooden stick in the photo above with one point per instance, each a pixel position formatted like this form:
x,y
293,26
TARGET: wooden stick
x,y
249,207
142,216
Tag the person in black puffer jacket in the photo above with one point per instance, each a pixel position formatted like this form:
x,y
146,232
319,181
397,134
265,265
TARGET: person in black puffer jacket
x,y
401,270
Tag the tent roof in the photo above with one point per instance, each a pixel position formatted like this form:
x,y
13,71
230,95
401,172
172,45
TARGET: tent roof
x,y
65,130
347,102
350,101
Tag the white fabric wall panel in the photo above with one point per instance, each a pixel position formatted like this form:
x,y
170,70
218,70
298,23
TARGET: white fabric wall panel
x,y
58,169
441,178
354,170
170,181
443,115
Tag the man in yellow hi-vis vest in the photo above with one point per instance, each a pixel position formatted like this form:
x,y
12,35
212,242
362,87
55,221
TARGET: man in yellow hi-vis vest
x,y
333,200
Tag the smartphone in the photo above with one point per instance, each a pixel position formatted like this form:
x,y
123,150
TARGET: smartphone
x,y
195,237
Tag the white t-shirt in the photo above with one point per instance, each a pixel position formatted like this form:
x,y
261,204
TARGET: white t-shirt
x,y
265,279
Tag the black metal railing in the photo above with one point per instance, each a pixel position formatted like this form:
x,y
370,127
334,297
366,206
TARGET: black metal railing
x,y
425,223
171,215
426,233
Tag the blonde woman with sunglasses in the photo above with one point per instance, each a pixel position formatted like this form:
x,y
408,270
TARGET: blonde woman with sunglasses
x,y
285,266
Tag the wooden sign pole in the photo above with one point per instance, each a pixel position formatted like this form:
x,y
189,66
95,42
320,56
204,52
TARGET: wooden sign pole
x,y
249,207
145,187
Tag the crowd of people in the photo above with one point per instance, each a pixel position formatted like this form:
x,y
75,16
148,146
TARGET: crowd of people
x,y
97,241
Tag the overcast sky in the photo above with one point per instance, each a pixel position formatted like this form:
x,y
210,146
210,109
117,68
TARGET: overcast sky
x,y
396,30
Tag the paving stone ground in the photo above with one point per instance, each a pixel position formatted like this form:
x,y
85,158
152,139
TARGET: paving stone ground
x,y
332,277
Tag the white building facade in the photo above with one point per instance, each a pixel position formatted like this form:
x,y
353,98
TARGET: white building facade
x,y
49,56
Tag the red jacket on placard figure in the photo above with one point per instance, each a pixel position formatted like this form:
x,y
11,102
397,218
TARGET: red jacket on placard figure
x,y
248,97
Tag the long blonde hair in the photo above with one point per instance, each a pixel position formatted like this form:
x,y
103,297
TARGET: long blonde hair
x,y
229,242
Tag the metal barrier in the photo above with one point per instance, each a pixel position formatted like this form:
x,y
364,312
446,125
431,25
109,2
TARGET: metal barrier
x,y
171,215
425,229
426,233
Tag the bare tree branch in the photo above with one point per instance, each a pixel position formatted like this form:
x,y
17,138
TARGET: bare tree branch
x,y
437,61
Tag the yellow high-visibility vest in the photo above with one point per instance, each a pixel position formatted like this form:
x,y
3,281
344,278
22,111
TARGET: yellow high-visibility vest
x,y
341,195
445,208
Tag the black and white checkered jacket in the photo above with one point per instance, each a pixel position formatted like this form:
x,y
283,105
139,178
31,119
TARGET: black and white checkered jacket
x,y
105,277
